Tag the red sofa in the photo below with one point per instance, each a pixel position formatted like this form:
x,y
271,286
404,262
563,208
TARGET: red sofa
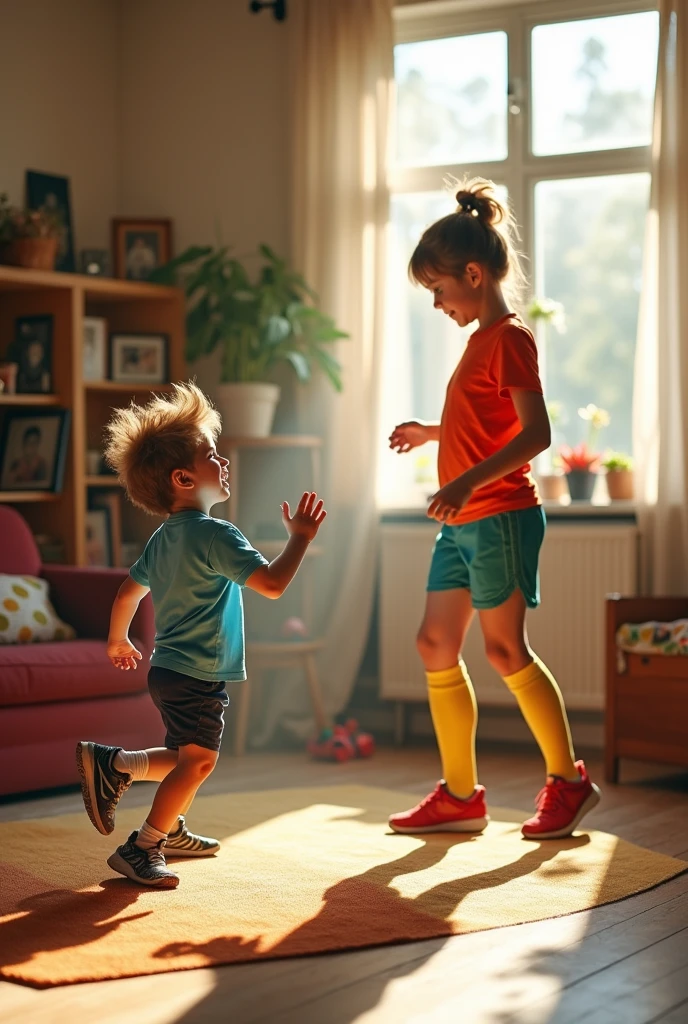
x,y
54,694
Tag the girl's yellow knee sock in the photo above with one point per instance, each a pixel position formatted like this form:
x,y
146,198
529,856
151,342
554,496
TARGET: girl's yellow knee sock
x,y
455,717
542,706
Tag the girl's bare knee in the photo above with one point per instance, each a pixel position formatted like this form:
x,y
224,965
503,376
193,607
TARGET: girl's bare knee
x,y
506,658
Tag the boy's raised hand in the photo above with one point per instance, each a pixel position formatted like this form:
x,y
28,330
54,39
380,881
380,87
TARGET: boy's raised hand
x,y
123,654
308,517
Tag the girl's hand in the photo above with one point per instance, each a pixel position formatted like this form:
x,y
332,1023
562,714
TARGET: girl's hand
x,y
123,654
446,504
307,519
408,435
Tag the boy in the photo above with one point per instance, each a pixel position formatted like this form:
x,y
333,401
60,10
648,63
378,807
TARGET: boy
x,y
195,566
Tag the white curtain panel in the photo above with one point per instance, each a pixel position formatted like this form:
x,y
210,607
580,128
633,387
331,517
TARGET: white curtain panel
x,y
342,69
660,415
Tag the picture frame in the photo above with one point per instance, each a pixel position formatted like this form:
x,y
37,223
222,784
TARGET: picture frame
x,y
52,191
33,352
110,501
140,245
33,449
139,358
95,352
98,544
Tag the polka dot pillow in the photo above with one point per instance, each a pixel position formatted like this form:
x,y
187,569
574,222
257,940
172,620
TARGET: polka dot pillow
x,y
26,614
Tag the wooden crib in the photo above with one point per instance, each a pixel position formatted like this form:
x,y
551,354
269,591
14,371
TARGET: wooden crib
x,y
646,713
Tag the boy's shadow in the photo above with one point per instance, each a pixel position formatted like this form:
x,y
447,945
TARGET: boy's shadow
x,y
62,919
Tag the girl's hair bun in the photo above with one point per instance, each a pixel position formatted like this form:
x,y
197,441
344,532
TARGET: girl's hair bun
x,y
478,199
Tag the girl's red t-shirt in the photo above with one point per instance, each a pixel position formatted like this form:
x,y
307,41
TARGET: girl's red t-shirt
x,y
479,417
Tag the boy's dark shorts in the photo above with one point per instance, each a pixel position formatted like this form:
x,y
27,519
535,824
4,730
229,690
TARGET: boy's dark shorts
x,y
192,709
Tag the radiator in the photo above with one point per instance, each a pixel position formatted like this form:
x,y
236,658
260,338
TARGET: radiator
x,y
580,563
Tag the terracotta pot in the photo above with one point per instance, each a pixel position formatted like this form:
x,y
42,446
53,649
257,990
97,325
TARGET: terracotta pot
x,y
552,486
620,484
34,253
581,484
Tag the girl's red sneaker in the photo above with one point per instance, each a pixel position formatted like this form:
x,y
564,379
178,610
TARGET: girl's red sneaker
x,y
561,805
442,812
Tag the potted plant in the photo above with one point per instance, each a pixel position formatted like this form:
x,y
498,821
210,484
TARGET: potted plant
x,y
257,323
551,482
28,238
582,462
619,467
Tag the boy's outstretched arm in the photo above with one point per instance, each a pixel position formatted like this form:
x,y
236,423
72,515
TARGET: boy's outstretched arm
x,y
121,651
273,579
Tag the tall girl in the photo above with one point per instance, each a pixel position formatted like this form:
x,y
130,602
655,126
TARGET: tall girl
x,y
485,557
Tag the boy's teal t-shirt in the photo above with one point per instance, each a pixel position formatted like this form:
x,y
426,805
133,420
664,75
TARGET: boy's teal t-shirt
x,y
195,567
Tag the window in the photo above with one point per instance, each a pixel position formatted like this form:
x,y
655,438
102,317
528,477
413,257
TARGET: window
x,y
554,103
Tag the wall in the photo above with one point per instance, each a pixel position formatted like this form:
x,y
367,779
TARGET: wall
x,y
202,120
58,104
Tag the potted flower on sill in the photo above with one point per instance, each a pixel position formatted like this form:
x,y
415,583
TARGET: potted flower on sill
x,y
551,482
28,238
619,467
582,462
257,324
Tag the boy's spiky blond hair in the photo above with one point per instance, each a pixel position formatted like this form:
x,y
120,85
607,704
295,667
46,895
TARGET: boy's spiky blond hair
x,y
145,443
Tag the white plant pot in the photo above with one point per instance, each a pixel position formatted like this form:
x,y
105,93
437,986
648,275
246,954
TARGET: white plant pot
x,y
247,410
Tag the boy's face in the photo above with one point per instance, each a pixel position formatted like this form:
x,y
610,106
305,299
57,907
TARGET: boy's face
x,y
210,471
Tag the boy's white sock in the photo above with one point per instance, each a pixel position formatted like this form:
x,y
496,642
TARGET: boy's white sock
x,y
149,837
132,762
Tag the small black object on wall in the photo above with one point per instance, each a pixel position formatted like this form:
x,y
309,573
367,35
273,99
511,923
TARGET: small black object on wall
x,y
279,8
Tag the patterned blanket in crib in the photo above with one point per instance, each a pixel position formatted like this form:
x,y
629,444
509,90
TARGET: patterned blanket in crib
x,y
654,637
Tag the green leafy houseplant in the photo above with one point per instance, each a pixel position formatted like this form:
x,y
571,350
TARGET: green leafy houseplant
x,y
257,323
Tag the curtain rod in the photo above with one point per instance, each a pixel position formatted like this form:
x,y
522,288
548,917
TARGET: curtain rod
x,y
279,8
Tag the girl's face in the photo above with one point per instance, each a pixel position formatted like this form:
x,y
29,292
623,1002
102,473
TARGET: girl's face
x,y
458,297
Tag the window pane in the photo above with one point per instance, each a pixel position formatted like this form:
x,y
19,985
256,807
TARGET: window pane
x,y
588,251
451,100
594,83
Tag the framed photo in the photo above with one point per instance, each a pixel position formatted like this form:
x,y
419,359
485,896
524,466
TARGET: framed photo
x,y
140,246
34,449
52,191
110,501
95,348
33,345
138,358
98,550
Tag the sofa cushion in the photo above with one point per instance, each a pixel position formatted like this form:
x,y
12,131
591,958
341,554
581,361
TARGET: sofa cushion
x,y
79,669
26,614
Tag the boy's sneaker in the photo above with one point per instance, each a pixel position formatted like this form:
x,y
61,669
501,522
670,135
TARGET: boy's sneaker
x,y
101,784
182,843
147,867
561,805
442,812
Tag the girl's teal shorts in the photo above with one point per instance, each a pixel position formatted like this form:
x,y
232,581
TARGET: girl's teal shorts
x,y
491,557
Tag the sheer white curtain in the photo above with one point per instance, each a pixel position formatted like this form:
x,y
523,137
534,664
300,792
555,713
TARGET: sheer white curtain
x,y
342,69
660,413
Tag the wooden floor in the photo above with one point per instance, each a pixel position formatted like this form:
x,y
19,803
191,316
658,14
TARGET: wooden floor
x,y
626,963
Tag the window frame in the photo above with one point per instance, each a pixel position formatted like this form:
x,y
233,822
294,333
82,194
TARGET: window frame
x,y
522,170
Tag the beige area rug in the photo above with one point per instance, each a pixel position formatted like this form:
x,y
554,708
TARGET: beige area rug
x,y
300,871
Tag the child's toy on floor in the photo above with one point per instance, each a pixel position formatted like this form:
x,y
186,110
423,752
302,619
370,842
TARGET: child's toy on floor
x,y
341,742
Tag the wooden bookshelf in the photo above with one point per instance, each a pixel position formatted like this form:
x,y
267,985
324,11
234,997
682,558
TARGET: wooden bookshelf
x,y
127,306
